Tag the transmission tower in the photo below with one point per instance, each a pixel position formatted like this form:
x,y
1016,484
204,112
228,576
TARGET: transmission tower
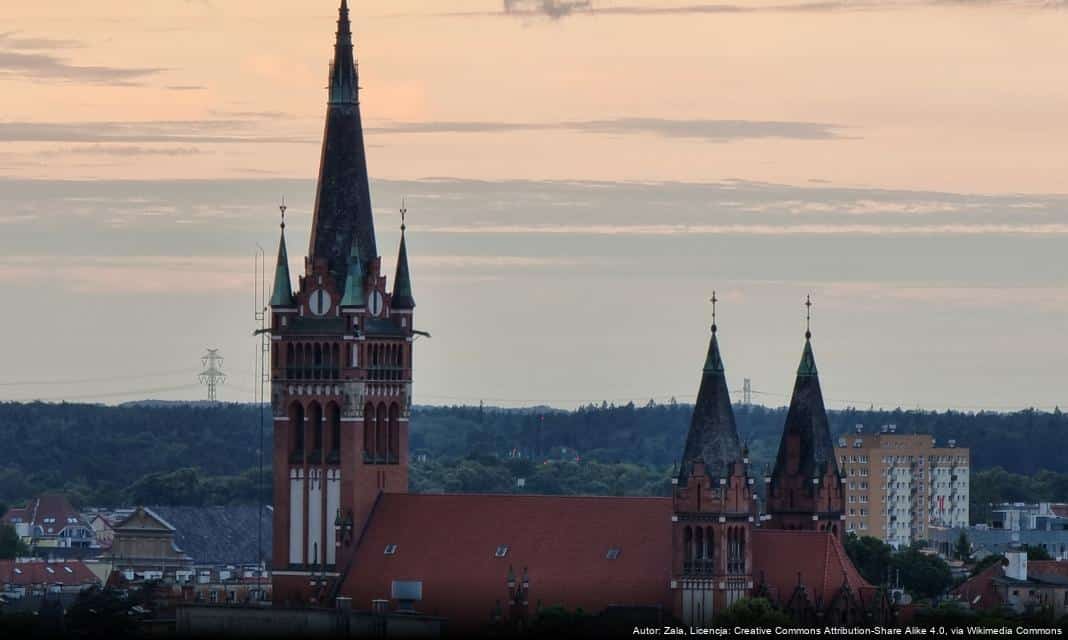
x,y
212,375
747,392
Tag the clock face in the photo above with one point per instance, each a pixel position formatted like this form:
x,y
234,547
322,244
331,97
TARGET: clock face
x,y
375,303
319,302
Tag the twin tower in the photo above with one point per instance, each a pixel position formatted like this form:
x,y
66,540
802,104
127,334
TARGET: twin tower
x,y
715,499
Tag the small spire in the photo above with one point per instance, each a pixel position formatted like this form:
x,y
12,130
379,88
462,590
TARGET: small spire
x,y
343,77
402,283
282,292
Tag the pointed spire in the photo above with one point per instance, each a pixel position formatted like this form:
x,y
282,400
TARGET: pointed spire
x,y
713,436
354,279
344,86
806,419
343,193
808,360
402,283
282,293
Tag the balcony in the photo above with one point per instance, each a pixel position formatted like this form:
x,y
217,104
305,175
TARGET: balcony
x,y
698,568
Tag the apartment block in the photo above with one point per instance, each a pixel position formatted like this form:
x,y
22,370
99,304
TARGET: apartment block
x,y
898,485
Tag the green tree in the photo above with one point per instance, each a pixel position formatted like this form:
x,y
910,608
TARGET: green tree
x,y
871,556
752,612
963,548
1035,552
923,575
11,546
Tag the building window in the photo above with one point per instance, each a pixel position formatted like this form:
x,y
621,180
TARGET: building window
x,y
391,550
613,553
501,551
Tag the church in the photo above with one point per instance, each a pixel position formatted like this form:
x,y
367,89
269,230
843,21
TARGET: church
x,y
345,525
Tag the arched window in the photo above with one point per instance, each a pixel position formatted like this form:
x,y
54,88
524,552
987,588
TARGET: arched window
x,y
296,430
315,425
317,372
289,361
368,431
335,360
333,423
394,433
381,424
687,548
698,545
710,549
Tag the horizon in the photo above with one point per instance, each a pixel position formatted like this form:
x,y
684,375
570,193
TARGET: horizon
x,y
606,178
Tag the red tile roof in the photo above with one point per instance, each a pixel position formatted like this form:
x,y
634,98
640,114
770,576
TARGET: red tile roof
x,y
780,555
51,512
978,591
39,572
448,542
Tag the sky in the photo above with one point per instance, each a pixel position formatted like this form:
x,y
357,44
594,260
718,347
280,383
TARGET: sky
x,y
580,177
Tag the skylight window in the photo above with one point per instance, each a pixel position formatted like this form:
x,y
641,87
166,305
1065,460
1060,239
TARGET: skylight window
x,y
613,553
18,571
391,550
501,551
50,570
68,569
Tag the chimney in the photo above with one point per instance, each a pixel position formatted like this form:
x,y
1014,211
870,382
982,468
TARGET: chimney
x,y
1017,565
379,607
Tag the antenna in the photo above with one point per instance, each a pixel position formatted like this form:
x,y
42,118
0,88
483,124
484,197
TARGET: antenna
x,y
212,375
747,392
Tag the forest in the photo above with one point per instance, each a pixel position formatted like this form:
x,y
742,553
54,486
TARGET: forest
x,y
192,454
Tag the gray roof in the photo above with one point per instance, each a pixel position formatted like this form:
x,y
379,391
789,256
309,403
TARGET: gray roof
x,y
713,435
219,535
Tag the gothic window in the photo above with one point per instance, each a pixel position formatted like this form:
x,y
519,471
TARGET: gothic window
x,y
394,433
369,431
289,361
315,424
333,419
687,548
296,427
381,423
699,545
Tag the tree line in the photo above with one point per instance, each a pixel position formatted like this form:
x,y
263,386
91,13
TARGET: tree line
x,y
192,454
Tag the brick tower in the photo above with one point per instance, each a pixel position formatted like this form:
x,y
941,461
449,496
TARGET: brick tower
x,y
341,363
714,509
805,488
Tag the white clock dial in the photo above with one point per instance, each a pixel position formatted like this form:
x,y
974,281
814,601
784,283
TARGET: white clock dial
x,y
319,302
375,303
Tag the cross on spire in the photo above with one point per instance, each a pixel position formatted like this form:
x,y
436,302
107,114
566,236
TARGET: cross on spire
x,y
282,207
403,212
808,317
714,300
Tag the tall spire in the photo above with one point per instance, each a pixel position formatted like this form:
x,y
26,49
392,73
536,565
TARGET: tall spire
x,y
713,436
402,283
806,418
344,87
343,195
282,293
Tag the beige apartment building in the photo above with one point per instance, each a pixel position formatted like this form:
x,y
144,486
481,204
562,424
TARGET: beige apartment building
x,y
898,486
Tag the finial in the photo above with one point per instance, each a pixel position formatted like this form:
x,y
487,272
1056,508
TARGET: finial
x,y
714,300
282,208
808,317
403,212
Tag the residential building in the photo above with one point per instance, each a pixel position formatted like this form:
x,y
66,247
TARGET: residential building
x,y
1019,585
29,578
51,527
1011,526
899,485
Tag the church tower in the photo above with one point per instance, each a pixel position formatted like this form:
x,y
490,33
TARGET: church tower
x,y
805,488
714,506
341,362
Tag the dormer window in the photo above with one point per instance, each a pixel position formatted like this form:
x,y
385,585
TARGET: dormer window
x,y
391,550
501,552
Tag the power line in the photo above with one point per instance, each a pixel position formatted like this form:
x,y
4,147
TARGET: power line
x,y
212,375
42,383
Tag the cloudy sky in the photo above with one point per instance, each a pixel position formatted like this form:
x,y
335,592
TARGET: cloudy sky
x,y
580,175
